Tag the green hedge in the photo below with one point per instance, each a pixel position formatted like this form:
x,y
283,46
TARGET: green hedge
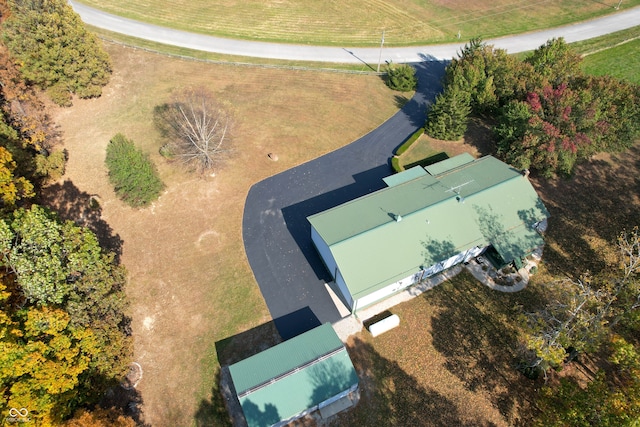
x,y
133,175
405,145
395,164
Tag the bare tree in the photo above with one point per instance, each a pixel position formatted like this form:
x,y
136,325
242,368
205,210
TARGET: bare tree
x,y
581,312
198,128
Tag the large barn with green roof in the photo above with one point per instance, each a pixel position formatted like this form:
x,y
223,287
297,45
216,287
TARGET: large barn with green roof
x,y
425,221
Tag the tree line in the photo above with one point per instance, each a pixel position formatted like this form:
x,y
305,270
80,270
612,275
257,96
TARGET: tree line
x,y
548,115
64,335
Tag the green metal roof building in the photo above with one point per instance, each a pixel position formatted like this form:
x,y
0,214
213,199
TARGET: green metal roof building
x,y
425,221
309,372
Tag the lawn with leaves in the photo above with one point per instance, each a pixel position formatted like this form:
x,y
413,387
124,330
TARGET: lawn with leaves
x,y
450,362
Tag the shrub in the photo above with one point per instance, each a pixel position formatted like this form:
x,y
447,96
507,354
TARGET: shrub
x,y
405,145
60,94
133,175
401,77
395,164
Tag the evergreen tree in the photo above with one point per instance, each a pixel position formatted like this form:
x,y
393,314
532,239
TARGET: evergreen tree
x,y
132,173
447,118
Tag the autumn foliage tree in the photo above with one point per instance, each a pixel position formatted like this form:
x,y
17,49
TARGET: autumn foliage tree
x,y
100,417
26,137
550,116
43,359
55,50
580,314
65,333
610,399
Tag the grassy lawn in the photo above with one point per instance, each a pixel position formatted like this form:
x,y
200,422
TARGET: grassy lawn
x,y
449,363
190,285
359,22
622,61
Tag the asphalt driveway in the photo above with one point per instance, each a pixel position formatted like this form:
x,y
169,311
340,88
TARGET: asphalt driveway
x,y
276,233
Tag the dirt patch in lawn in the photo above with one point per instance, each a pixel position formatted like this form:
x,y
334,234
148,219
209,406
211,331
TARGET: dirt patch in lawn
x,y
190,285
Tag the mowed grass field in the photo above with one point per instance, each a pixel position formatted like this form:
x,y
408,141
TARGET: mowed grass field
x,y
625,65
359,22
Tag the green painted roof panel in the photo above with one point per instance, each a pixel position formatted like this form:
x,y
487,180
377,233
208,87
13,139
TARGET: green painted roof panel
x,y
448,164
404,176
473,204
299,391
284,357
396,250
519,242
373,210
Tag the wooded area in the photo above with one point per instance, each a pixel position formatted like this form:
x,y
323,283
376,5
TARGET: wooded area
x,y
64,338
549,115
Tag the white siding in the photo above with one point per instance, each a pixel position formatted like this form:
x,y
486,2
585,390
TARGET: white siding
x,y
343,289
324,251
387,290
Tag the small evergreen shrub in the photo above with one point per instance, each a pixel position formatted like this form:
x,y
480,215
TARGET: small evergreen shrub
x,y
447,118
401,77
166,151
133,175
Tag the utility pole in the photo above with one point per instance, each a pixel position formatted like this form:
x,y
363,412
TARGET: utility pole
x,y
618,6
381,44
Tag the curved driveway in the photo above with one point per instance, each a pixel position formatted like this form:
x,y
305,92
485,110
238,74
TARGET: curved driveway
x,y
275,230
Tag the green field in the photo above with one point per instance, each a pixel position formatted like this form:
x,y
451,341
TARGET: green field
x,y
359,22
622,61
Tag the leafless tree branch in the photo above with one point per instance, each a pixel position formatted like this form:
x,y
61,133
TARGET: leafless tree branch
x,y
198,128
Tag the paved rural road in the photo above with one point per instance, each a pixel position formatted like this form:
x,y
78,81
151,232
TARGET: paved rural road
x,y
275,230
513,44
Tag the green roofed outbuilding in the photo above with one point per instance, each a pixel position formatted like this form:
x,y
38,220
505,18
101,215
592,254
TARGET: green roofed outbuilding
x,y
310,372
425,221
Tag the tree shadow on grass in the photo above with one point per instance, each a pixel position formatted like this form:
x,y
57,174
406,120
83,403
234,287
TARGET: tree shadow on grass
x,y
82,208
126,400
589,209
213,411
391,397
475,332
